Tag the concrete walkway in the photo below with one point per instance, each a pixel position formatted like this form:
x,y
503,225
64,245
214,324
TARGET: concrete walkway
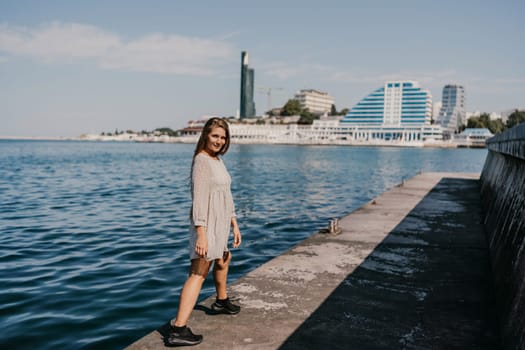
x,y
410,270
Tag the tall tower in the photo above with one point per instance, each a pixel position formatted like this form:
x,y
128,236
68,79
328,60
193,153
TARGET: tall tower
x,y
247,109
452,113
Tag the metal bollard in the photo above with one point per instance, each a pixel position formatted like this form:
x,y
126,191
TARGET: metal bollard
x,y
334,226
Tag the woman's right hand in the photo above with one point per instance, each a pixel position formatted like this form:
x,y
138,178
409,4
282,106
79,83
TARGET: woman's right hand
x,y
201,246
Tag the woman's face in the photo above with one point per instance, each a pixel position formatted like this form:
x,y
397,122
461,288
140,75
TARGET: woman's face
x,y
215,141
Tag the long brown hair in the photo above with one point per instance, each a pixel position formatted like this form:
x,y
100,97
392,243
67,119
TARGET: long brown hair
x,y
201,144
208,127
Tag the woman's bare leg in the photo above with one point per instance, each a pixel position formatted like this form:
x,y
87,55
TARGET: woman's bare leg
x,y
190,292
220,275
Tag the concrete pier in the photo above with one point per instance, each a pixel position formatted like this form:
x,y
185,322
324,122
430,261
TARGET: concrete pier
x,y
409,270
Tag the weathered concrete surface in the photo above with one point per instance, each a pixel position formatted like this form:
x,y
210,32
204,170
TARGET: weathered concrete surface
x,y
410,270
503,202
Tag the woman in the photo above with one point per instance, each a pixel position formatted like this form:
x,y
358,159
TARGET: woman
x,y
212,217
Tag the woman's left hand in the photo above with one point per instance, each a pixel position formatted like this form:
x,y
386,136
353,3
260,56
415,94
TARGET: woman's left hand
x,y
236,237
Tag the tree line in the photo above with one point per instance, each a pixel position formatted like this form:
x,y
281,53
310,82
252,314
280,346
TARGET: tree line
x,y
158,131
496,126
293,107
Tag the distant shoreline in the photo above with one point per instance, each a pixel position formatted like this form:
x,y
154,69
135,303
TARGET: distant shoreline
x,y
39,138
183,140
133,138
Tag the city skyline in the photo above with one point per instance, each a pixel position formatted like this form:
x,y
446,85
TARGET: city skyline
x,y
71,68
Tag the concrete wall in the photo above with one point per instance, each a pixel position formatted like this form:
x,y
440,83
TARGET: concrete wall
x,y
503,201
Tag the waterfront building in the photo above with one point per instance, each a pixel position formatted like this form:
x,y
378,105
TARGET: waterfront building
x,y
436,107
473,137
397,111
396,104
452,113
397,114
247,107
317,102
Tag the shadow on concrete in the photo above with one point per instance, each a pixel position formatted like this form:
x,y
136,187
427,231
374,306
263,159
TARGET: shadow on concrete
x,y
164,332
428,284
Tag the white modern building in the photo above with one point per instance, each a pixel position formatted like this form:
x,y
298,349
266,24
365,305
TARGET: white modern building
x,y
317,102
398,111
473,137
436,107
396,104
452,113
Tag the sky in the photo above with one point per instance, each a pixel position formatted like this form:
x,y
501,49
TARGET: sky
x,y
84,67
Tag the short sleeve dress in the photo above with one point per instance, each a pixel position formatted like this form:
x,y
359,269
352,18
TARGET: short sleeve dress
x,y
212,205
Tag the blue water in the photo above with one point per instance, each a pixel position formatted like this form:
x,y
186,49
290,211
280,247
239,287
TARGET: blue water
x,y
93,236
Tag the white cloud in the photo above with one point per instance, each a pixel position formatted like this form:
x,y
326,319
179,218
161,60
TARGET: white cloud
x,y
168,54
71,42
57,41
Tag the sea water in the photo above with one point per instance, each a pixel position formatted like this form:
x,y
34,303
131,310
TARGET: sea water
x,y
93,235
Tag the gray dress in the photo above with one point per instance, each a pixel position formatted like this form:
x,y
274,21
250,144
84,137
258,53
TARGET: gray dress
x,y
212,205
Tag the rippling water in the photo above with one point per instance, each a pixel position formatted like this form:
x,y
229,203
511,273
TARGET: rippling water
x,y
93,236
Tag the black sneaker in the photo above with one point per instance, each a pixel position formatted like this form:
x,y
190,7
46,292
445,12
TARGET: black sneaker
x,y
225,307
181,336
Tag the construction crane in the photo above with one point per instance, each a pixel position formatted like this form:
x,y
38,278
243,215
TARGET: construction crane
x,y
268,92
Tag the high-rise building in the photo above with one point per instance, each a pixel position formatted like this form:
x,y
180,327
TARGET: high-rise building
x,y
317,102
247,109
396,104
436,107
452,113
